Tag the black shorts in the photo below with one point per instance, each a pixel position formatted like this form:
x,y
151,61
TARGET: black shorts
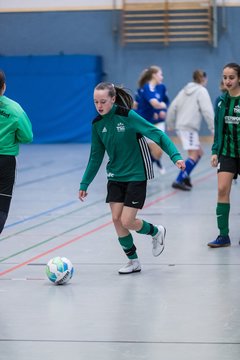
x,y
229,164
132,194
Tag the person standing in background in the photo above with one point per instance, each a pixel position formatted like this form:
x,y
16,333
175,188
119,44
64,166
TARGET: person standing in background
x,y
151,103
15,129
185,115
226,148
160,117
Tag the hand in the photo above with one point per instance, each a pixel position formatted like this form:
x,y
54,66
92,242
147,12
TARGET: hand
x,y
162,115
82,194
181,165
214,160
163,105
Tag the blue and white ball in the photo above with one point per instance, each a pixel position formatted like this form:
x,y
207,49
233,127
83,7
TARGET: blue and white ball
x,y
59,270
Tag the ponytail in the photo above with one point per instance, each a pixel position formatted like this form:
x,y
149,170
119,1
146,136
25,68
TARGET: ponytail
x,y
123,98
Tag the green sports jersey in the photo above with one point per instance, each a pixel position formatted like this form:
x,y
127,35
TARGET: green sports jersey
x,y
231,129
227,126
121,134
15,127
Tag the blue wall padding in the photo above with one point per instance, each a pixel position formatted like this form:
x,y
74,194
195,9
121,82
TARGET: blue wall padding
x,y
56,92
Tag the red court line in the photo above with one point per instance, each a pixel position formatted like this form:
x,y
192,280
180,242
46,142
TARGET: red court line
x,y
91,231
53,249
160,199
175,191
205,177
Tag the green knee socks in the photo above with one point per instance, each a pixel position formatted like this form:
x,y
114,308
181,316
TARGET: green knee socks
x,y
148,229
222,212
128,246
127,241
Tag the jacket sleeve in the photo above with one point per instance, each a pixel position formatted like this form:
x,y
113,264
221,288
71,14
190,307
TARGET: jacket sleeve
x,y
24,132
206,108
215,145
95,160
145,128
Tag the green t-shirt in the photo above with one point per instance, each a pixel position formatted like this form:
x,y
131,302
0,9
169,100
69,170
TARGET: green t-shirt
x,y
121,134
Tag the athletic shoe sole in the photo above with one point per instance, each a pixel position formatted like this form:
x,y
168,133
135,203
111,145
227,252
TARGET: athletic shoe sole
x,y
181,186
218,246
130,272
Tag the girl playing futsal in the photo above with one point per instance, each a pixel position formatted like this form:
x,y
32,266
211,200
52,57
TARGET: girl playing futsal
x,y
121,132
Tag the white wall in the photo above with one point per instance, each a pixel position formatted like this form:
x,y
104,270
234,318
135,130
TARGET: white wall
x,y
59,5
64,5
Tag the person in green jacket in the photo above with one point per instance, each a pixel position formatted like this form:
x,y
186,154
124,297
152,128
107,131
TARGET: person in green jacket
x,y
121,132
226,148
15,128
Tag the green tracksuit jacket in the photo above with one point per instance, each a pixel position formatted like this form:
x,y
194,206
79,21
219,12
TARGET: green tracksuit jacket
x,y
15,127
121,134
222,110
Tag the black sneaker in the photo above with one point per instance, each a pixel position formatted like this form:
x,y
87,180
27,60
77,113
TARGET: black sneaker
x,y
187,181
180,186
221,241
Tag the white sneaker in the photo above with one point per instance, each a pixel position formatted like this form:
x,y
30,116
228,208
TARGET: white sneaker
x,y
131,267
158,241
162,170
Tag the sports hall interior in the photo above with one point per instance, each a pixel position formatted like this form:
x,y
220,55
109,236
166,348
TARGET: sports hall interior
x,y
184,304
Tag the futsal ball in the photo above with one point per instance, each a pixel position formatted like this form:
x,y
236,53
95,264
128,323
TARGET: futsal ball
x,y
59,270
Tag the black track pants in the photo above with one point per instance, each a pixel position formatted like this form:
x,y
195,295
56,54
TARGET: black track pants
x,y
7,179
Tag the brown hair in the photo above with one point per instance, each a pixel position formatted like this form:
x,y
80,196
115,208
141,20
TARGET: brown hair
x,y
2,79
233,66
221,86
199,76
123,97
147,75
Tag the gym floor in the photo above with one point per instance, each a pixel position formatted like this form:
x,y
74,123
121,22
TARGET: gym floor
x,y
183,305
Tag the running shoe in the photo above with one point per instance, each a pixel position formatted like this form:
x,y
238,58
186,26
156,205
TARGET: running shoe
x,y
158,241
221,241
131,267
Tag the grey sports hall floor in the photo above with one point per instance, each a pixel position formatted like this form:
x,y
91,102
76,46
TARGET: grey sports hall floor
x,y
183,305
